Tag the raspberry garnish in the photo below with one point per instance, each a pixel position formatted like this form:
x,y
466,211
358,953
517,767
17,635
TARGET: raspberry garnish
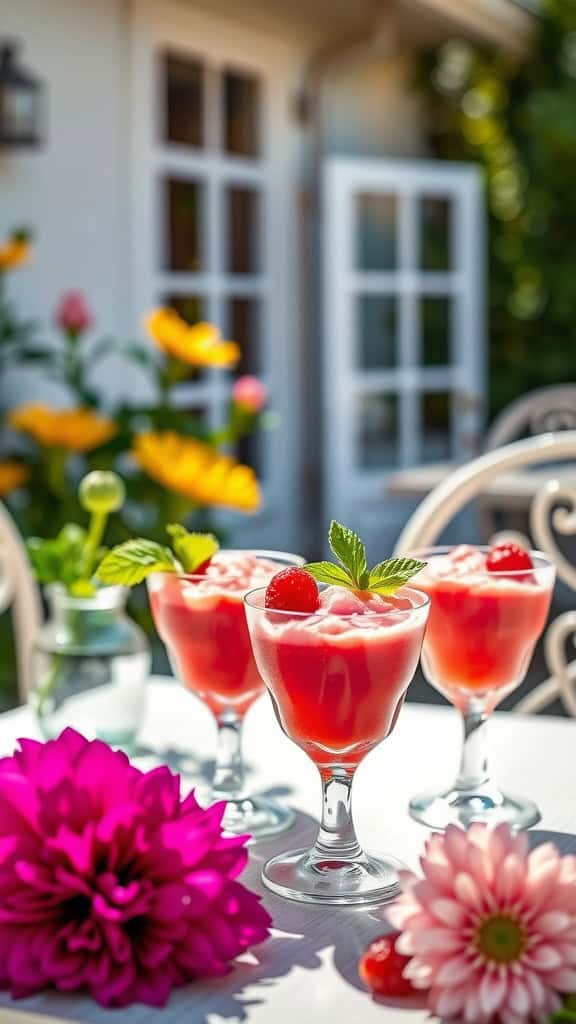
x,y
200,570
292,590
381,968
508,558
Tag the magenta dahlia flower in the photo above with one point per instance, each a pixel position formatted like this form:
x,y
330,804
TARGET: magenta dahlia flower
x,y
110,882
491,929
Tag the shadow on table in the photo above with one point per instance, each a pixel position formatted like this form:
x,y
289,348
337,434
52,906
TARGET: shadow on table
x,y
304,933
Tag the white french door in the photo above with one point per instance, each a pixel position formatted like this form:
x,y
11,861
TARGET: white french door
x,y
404,346
214,221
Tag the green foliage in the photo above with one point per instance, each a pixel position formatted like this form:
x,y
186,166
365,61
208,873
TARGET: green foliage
x,y
191,549
60,560
567,1015
517,120
131,562
352,569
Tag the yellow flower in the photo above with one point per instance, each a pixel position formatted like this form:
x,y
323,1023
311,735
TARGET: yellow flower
x,y
76,430
200,345
15,251
193,469
12,475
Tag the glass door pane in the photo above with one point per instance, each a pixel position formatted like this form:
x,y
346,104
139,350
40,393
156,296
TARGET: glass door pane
x,y
183,99
183,225
241,114
376,232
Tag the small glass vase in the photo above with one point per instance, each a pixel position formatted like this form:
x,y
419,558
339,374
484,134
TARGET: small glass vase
x,y
91,664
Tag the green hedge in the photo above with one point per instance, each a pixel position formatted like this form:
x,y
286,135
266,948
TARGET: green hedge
x,y
517,119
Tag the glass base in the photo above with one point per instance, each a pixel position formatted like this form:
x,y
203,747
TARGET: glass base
x,y
304,876
464,806
256,815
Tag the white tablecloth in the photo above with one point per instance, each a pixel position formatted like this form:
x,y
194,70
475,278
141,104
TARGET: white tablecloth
x,y
307,971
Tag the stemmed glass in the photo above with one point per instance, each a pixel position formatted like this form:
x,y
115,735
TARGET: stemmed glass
x,y
200,618
337,685
481,635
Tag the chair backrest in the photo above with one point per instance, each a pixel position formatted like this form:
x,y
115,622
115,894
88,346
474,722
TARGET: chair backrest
x,y
19,591
468,482
541,411
553,509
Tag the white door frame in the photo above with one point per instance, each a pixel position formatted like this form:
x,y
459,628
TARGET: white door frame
x,y
347,485
155,26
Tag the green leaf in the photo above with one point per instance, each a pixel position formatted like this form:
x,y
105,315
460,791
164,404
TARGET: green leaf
x,y
353,573
350,552
191,549
59,559
386,577
131,562
327,572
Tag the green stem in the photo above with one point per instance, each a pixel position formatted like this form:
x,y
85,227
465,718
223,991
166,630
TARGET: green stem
x,y
46,686
93,541
55,469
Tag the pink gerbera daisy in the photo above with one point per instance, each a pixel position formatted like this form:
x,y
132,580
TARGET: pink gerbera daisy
x,y
491,928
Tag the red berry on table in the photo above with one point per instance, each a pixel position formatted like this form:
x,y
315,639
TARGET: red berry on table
x,y
508,558
381,968
292,590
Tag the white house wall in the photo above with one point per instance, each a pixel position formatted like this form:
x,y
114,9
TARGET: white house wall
x,y
73,191
370,107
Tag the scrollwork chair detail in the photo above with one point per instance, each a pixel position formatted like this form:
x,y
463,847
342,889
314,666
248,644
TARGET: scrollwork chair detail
x,y
467,483
545,410
553,512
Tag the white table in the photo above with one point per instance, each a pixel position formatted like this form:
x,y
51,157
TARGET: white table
x,y
307,971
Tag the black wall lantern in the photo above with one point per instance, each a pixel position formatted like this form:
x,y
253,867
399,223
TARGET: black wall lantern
x,y
21,95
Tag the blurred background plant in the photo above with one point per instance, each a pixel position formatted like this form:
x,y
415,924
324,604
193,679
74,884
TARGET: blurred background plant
x,y
15,252
517,119
176,466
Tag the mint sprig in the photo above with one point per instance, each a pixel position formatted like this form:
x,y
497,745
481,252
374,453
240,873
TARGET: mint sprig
x,y
351,570
191,549
131,562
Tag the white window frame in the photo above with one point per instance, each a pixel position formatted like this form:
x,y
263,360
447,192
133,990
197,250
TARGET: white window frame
x,y
348,484
157,27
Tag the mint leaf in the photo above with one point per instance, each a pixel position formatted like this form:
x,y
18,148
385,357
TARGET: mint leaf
x,y
388,576
353,573
191,549
131,562
327,572
350,552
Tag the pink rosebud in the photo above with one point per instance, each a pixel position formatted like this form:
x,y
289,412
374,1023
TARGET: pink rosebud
x,y
73,314
250,393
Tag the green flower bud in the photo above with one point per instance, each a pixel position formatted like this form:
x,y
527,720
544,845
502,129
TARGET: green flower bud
x,y
101,491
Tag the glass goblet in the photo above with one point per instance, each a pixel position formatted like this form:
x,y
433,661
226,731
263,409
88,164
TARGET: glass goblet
x,y
481,635
200,618
337,684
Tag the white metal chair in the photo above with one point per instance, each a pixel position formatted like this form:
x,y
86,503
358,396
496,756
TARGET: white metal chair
x,y
537,412
19,592
554,509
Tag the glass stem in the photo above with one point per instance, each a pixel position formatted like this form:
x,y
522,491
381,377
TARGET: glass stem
x,y
337,835
474,761
229,772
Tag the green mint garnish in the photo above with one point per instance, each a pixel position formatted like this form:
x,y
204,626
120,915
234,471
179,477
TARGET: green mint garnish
x,y
352,569
191,549
131,562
